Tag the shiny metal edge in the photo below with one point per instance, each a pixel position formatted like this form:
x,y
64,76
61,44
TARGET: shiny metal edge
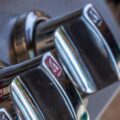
x,y
6,112
80,110
23,104
22,42
75,66
89,21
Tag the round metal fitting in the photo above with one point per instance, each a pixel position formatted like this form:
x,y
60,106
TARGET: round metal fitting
x,y
23,35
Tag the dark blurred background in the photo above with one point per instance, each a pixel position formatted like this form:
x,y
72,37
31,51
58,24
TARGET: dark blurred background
x,y
115,7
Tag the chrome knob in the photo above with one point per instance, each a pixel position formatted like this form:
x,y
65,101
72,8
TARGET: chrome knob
x,y
88,51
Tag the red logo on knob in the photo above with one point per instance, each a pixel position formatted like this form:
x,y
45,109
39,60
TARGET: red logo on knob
x,y
53,66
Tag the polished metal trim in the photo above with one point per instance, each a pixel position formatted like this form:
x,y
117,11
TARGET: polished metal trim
x,y
60,82
89,22
9,117
25,107
23,35
74,64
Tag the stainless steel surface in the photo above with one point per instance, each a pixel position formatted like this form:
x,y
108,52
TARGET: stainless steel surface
x,y
54,23
4,114
95,23
23,35
44,103
83,62
22,102
76,102
76,70
28,109
9,10
43,43
72,96
90,17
